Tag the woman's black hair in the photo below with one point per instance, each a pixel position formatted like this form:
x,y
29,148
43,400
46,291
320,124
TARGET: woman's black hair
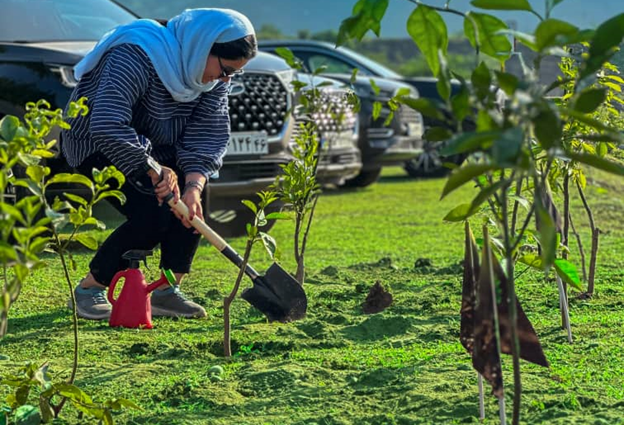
x,y
243,48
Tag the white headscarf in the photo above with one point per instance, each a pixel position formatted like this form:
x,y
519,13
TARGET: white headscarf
x,y
178,51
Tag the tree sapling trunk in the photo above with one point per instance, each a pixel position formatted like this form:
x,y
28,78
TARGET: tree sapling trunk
x,y
227,302
595,232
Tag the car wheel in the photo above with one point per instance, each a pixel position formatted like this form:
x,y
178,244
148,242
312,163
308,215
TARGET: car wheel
x,y
233,223
365,178
430,163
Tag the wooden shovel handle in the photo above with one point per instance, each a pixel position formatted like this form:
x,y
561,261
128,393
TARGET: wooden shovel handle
x,y
216,240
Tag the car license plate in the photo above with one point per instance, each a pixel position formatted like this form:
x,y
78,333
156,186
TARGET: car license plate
x,y
336,140
247,144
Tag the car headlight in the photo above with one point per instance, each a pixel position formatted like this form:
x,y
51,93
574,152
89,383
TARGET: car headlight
x,y
66,74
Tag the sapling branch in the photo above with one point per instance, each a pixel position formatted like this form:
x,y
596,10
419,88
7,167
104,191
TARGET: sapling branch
x,y
513,310
595,232
227,301
579,242
514,214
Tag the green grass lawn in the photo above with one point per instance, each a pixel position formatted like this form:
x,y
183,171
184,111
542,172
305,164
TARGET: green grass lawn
x,y
339,366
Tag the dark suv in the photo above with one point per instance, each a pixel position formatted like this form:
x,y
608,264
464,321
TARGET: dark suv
x,y
41,41
381,145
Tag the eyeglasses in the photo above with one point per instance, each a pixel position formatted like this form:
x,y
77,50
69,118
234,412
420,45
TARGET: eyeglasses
x,y
227,72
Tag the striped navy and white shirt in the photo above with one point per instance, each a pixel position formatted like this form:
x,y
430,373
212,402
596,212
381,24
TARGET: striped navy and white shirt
x,y
132,115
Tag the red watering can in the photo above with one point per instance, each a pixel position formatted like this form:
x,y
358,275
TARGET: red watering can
x,y
133,307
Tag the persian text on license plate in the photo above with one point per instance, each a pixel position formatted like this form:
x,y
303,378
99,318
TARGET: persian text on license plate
x,y
247,144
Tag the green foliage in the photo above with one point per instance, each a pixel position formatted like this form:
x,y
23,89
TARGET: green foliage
x,y
34,381
367,15
429,32
525,137
30,225
297,186
484,32
261,218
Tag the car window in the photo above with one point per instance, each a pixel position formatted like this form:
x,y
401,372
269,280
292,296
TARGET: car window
x,y
59,20
333,65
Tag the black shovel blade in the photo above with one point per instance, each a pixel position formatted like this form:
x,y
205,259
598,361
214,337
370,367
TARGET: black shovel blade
x,y
277,295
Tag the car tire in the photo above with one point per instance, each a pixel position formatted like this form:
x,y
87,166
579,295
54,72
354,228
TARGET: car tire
x,y
430,163
233,223
365,178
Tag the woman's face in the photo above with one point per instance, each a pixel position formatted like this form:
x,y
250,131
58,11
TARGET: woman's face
x,y
222,69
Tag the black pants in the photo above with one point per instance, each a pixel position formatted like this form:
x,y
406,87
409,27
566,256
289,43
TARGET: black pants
x,y
147,225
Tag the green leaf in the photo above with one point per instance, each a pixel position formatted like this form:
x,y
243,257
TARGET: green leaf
x,y
429,32
88,241
28,160
354,74
507,82
597,162
8,127
567,272
603,44
547,127
483,31
481,80
278,216
521,200
70,178
374,86
460,104
377,106
467,142
422,105
321,69
463,175
553,32
37,172
78,199
27,415
127,403
437,134
366,15
250,205
459,213
507,147
589,100
111,194
7,253
13,212
602,149
532,260
287,54
502,4
269,243
72,392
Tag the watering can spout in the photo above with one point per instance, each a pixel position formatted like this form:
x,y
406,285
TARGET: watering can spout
x,y
166,278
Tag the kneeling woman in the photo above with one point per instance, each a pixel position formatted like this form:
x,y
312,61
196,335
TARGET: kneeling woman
x,y
157,98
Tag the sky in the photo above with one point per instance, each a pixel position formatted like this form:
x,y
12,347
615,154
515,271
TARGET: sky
x,y
319,15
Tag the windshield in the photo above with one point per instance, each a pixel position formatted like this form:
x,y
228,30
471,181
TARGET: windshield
x,y
377,68
59,20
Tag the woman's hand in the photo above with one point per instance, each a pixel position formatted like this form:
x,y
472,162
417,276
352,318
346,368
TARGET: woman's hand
x,y
192,199
165,184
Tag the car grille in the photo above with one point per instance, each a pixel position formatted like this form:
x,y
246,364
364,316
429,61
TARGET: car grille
x,y
343,158
247,171
262,105
334,118
409,115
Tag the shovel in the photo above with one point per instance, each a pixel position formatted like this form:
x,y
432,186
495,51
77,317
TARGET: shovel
x,y
276,294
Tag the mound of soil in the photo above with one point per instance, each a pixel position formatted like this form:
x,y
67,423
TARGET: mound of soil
x,y
377,300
